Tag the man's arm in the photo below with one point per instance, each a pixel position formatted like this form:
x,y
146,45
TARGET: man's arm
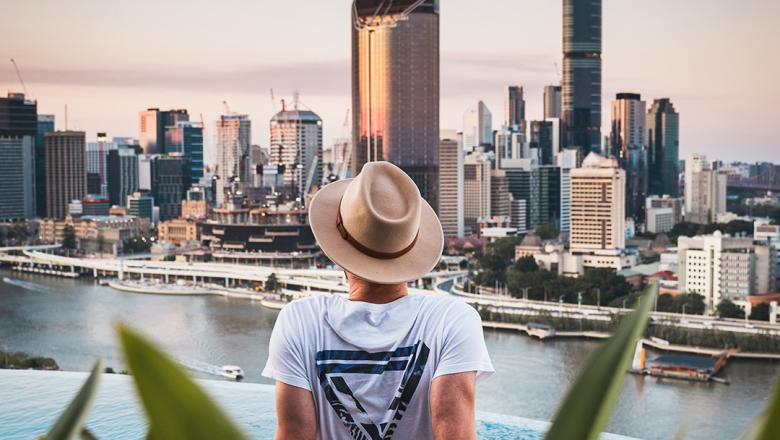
x,y
295,413
452,406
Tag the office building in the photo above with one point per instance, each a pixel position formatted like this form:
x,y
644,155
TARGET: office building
x,y
515,108
543,136
145,171
45,125
670,210
510,144
296,146
628,144
187,138
177,231
721,267
500,198
170,183
770,235
122,174
581,88
705,190
140,204
566,160
66,174
597,205
552,102
518,217
233,156
18,132
451,188
477,127
151,128
663,136
395,88
476,190
97,164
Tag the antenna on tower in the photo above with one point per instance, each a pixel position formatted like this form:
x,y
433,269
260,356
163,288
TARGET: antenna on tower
x,y
66,117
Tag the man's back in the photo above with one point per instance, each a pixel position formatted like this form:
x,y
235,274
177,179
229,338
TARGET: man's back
x,y
369,366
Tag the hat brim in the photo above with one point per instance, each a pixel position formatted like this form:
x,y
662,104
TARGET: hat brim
x,y
419,261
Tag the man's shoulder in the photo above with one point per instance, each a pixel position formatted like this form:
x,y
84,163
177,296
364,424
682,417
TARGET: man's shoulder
x,y
445,305
313,303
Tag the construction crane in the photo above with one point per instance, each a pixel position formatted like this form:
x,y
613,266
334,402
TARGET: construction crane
x,y
227,108
273,101
19,75
373,22
346,153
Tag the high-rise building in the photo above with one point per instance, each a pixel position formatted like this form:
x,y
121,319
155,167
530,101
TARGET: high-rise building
x,y
296,145
66,174
141,205
151,128
663,136
628,144
97,162
122,174
18,131
543,136
663,205
477,127
45,125
170,183
581,103
510,144
552,102
500,197
395,88
233,140
515,107
451,187
707,196
566,160
476,190
597,205
186,137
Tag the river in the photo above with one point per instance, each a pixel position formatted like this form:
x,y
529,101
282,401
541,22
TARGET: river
x,y
72,321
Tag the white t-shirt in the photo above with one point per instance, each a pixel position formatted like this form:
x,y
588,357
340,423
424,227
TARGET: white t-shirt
x,y
370,366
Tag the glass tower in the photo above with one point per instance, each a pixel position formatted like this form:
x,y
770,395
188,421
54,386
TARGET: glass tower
x,y
582,75
663,133
395,88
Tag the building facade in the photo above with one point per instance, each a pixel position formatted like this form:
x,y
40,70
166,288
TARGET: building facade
x,y
233,140
45,125
170,183
66,174
515,107
663,136
628,144
152,124
597,205
122,174
18,133
451,188
187,138
296,147
552,102
141,205
477,127
581,88
395,88
705,191
177,231
476,190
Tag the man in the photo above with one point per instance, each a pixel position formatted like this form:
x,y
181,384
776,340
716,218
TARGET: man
x,y
381,364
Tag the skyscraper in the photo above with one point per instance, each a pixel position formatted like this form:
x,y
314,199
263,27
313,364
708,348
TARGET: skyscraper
x,y
597,205
476,190
628,144
395,88
151,128
122,174
581,104
170,183
45,125
18,130
233,140
451,187
97,162
296,145
187,138
663,133
552,102
66,174
477,127
515,107
705,191
543,137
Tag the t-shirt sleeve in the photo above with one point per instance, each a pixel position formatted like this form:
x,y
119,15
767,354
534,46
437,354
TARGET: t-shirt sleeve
x,y
286,360
463,344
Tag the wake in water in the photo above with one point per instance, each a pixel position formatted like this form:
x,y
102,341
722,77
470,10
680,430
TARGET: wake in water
x,y
25,285
207,368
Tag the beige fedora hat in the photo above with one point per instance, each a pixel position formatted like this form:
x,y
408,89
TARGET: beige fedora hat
x,y
377,226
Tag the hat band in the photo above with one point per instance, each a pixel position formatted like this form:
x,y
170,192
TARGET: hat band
x,y
365,249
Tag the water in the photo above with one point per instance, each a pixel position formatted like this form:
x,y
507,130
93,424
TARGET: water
x,y
72,321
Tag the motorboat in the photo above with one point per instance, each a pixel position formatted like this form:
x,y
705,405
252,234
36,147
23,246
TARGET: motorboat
x,y
231,372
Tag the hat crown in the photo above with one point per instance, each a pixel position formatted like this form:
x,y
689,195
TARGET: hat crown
x,y
381,208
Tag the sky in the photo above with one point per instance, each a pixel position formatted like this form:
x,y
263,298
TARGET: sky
x,y
107,60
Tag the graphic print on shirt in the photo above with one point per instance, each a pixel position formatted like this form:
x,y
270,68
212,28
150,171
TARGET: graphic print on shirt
x,y
335,367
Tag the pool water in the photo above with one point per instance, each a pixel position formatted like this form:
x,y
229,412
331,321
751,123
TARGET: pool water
x,y
30,401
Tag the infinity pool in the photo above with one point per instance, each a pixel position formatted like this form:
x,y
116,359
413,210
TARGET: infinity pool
x,y
31,400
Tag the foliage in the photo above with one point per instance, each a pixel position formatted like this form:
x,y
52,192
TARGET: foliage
x,y
690,303
136,245
546,231
734,228
21,361
526,264
760,312
727,309
588,403
517,281
272,284
492,265
72,420
69,237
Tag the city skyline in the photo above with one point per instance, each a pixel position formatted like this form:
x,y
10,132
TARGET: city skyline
x,y
107,77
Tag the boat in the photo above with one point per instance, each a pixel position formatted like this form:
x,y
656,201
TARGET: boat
x,y
231,372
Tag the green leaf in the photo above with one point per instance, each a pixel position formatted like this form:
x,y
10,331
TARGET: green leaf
x,y
70,423
86,435
585,411
767,425
176,406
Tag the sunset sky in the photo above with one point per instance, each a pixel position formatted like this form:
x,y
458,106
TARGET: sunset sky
x,y
716,59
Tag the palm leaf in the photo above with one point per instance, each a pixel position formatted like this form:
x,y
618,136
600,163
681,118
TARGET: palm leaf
x,y
176,406
767,425
70,423
585,411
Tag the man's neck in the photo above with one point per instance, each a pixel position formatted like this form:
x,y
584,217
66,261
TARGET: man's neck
x,y
364,291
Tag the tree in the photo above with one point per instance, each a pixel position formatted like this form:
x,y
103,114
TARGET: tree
x,y
69,237
272,284
760,312
693,303
504,247
727,309
546,232
526,264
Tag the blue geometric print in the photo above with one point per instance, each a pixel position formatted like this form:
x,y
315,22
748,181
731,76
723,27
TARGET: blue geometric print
x,y
333,365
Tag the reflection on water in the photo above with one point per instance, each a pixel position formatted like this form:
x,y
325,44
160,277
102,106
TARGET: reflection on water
x,y
72,321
